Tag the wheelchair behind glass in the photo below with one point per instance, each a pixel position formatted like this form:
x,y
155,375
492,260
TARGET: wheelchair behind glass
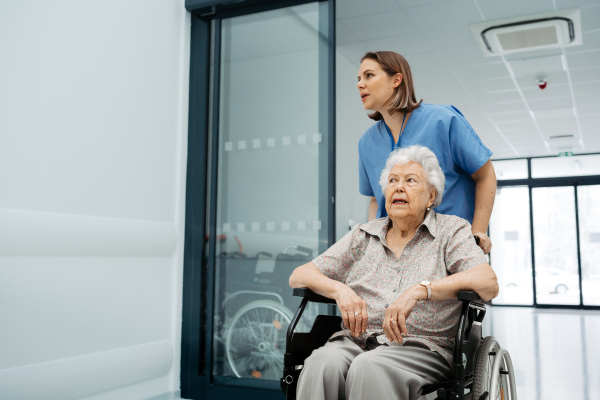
x,y
481,368
254,312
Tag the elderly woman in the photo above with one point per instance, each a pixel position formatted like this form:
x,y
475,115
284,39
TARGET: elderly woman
x,y
395,280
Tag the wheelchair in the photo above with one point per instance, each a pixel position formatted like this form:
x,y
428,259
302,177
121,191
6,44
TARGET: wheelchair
x,y
253,316
481,369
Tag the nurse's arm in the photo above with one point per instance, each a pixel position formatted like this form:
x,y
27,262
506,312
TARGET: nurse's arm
x,y
485,194
373,207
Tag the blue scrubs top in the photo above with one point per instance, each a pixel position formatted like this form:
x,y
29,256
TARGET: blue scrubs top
x,y
445,131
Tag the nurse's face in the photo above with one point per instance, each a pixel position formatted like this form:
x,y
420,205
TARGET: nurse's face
x,y
376,87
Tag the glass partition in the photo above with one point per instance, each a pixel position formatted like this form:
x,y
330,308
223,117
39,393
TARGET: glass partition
x,y
269,183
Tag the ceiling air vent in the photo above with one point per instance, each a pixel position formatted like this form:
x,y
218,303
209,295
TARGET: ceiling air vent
x,y
545,31
561,136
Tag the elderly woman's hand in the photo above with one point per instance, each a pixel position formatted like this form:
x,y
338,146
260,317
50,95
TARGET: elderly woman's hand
x,y
394,322
352,308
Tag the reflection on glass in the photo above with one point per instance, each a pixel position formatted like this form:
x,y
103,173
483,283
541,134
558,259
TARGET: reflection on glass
x,y
557,277
589,240
268,184
511,252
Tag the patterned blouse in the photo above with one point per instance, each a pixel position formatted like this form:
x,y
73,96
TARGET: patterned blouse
x,y
443,245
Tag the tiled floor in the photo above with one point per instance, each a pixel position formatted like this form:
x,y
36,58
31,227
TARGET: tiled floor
x,y
555,353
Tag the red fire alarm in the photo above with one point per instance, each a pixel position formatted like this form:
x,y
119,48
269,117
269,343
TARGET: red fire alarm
x,y
542,84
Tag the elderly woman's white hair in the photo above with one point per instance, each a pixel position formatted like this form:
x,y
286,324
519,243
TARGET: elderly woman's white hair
x,y
429,163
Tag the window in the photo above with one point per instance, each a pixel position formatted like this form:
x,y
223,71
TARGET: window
x,y
511,252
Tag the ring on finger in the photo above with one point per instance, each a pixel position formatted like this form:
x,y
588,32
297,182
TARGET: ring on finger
x,y
393,321
356,313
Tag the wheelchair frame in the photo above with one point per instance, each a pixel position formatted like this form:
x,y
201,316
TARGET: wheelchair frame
x,y
470,369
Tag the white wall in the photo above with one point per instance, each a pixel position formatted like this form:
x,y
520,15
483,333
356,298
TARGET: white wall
x,y
93,128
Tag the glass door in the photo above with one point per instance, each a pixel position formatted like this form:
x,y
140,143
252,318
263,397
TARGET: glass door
x,y
555,244
270,187
589,240
511,252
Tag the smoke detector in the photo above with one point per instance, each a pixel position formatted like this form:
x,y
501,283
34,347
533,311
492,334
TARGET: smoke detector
x,y
535,32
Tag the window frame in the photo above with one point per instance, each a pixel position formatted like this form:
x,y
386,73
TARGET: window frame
x,y
573,181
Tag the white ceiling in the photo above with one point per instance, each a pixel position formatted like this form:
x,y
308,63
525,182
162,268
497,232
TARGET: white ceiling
x,y
499,95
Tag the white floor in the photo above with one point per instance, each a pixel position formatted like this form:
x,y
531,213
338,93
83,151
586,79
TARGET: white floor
x,y
556,353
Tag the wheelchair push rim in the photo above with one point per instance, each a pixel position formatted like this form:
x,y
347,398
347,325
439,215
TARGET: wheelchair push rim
x,y
494,374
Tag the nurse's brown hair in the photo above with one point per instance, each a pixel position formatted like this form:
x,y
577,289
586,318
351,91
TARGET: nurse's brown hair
x,y
404,98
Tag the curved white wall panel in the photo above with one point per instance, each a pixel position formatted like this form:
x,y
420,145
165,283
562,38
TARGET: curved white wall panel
x,y
30,233
76,377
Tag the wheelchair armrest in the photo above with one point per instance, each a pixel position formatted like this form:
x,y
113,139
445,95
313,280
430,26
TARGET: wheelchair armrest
x,y
312,296
468,295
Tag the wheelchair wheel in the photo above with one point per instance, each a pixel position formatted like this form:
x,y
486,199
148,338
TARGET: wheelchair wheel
x,y
488,368
255,340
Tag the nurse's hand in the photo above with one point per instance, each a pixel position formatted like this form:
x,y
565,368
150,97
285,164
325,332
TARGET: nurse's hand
x,y
484,242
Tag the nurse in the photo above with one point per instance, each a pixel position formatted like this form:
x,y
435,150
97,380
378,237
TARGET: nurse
x,y
386,88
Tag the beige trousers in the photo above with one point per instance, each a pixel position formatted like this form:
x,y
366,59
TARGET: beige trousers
x,y
342,370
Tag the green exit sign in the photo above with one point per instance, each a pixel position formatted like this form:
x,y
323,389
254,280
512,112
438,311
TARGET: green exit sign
x,y
565,154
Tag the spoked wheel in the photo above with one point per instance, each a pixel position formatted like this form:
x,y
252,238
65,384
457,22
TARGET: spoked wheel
x,y
255,341
494,368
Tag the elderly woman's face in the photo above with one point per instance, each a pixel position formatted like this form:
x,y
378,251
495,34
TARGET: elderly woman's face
x,y
408,193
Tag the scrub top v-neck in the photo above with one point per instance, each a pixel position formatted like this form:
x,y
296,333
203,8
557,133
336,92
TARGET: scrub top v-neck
x,y
394,143
444,130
